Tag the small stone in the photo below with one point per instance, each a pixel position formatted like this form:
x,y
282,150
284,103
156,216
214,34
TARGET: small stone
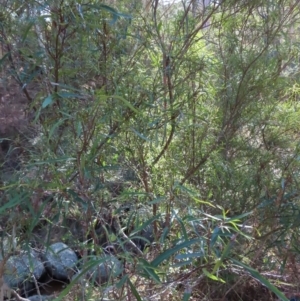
x,y
60,261
144,237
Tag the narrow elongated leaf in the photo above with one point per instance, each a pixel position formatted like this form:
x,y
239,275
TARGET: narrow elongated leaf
x,y
141,135
214,236
157,200
29,26
134,291
191,193
211,276
189,255
55,126
241,216
144,225
182,227
4,58
218,264
127,103
149,270
168,253
12,203
122,281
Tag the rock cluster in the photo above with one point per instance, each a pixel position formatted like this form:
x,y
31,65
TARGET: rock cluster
x,y
33,268
59,262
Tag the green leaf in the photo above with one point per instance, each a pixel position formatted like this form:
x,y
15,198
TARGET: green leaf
x,y
198,201
182,226
218,264
215,236
13,202
48,101
55,126
262,280
168,253
4,58
159,26
29,26
127,103
212,217
157,200
211,276
149,270
155,60
122,281
144,225
239,217
189,255
191,194
140,135
134,291
186,296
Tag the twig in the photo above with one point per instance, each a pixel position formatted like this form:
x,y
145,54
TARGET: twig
x,y
17,296
37,288
128,243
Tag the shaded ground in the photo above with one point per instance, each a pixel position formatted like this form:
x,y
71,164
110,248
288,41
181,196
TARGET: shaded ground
x,y
16,127
13,104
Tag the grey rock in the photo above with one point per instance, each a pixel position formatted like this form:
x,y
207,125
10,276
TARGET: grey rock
x,y
102,269
144,234
144,237
19,270
60,261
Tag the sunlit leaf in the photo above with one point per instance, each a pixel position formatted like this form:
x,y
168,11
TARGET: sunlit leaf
x,y
168,253
211,276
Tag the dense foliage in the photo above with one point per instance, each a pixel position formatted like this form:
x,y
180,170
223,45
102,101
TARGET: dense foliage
x,y
190,112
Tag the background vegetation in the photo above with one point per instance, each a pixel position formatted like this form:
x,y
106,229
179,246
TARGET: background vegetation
x,y
188,111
